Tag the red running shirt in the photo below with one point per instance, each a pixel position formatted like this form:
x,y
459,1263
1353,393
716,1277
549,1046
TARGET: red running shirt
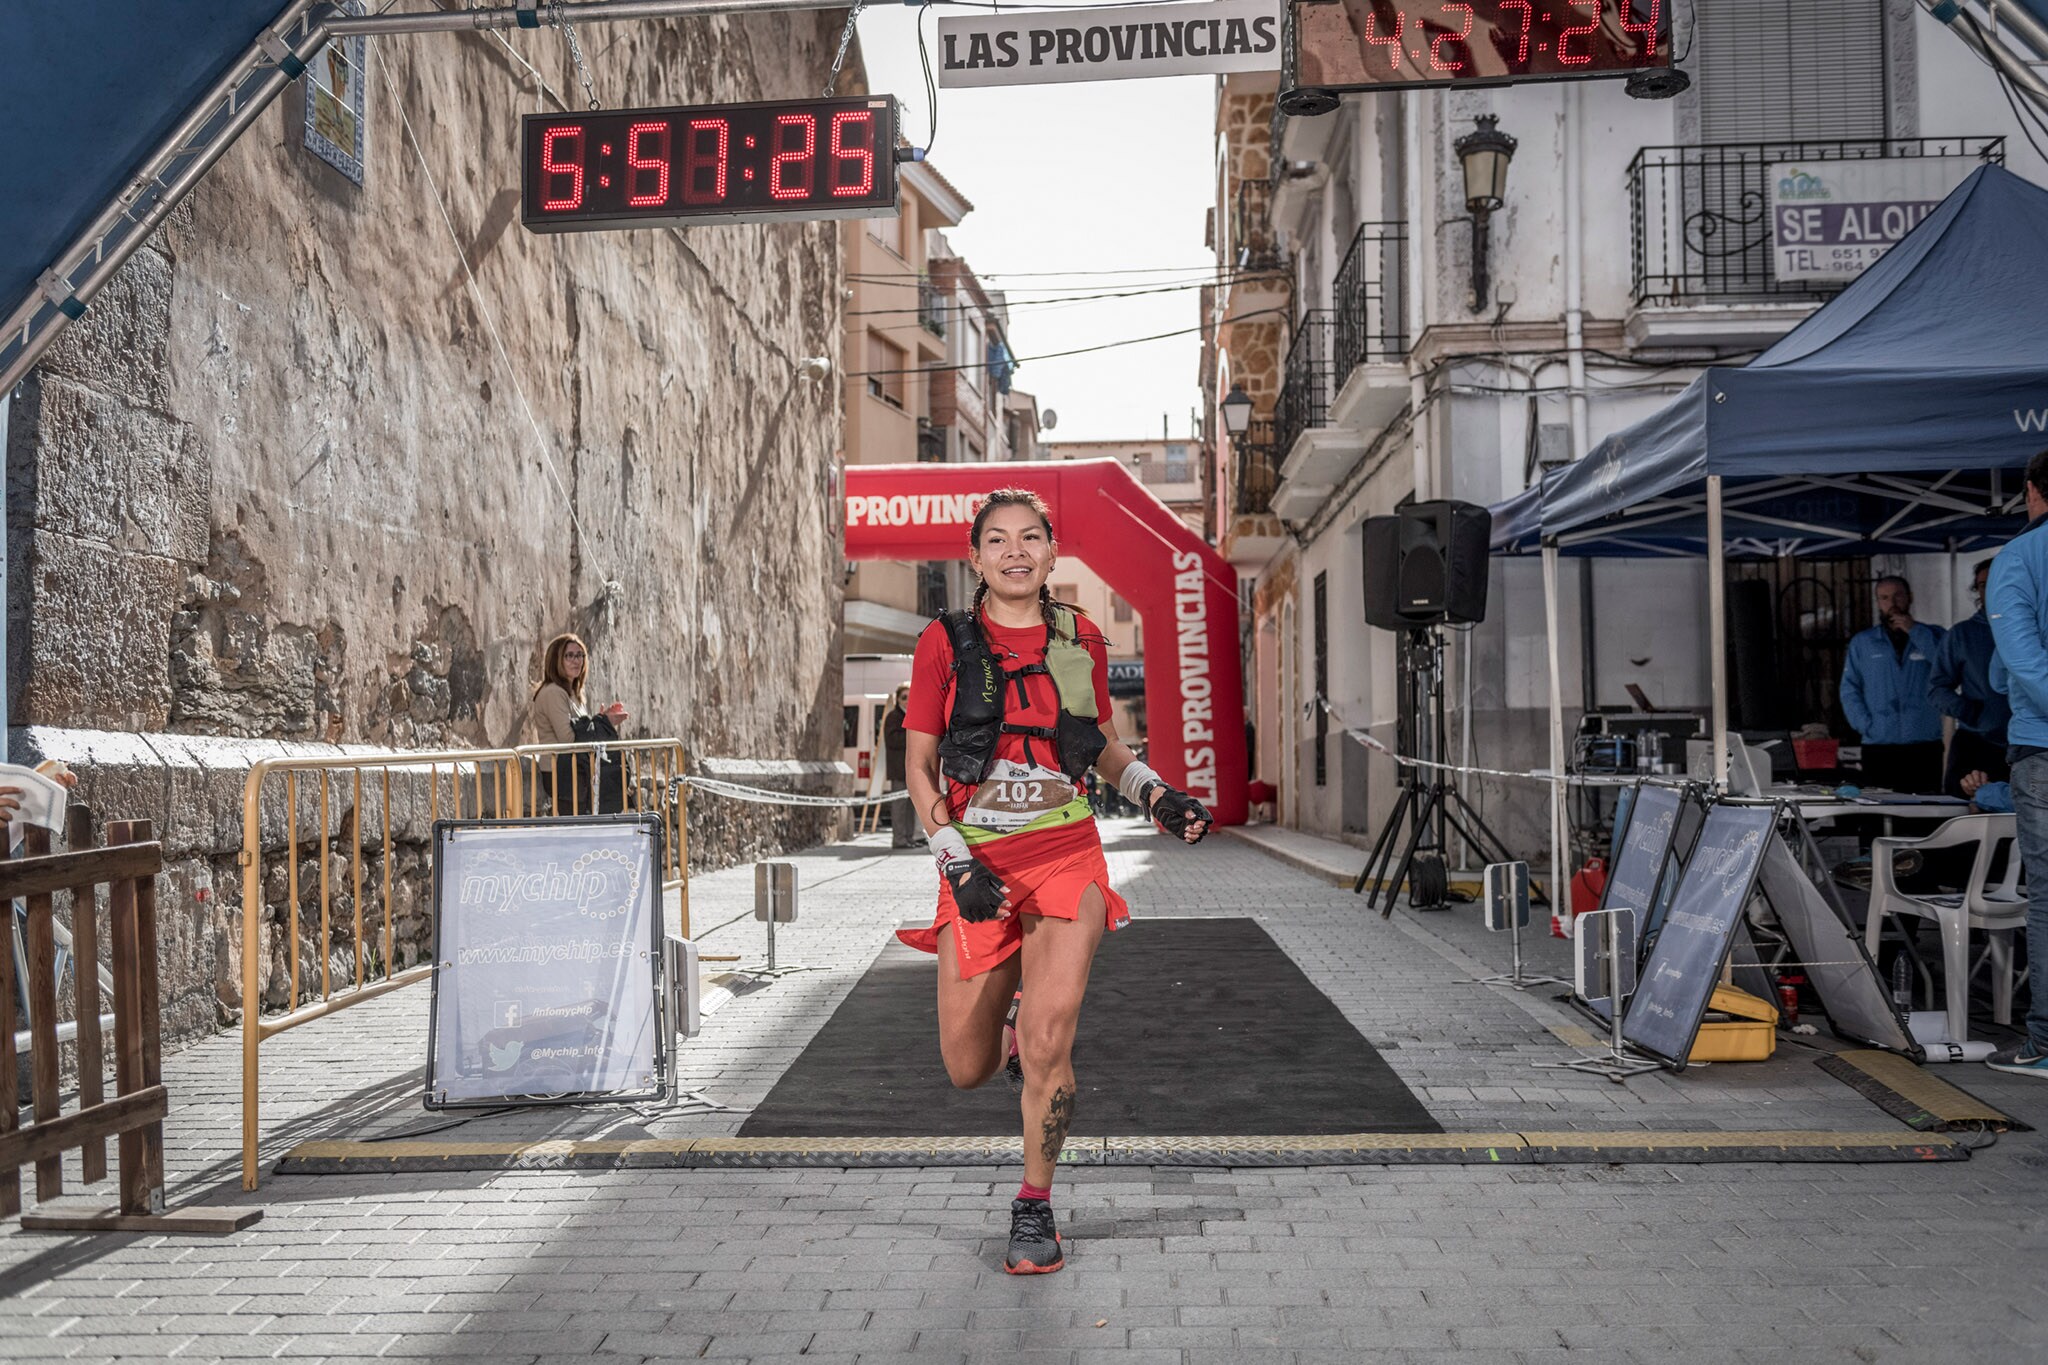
x,y
931,703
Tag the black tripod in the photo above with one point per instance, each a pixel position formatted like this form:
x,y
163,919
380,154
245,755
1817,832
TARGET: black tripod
x,y
1429,796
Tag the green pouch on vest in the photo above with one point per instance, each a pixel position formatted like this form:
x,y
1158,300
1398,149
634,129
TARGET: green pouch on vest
x,y
1073,670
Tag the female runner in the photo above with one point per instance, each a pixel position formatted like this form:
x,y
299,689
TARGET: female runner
x,y
1024,894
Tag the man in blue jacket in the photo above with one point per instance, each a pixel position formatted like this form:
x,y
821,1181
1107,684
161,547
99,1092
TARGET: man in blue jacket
x,y
1960,686
2017,603
1884,694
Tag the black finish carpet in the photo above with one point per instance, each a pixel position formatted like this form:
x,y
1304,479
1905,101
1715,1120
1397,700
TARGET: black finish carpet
x,y
1192,1027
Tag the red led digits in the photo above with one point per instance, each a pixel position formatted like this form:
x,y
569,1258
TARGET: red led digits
x,y
1393,44
647,154
1528,26
1436,44
1571,31
715,133
790,170
1648,30
860,152
551,167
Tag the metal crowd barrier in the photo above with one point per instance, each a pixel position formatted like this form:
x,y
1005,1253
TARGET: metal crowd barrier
x,y
385,800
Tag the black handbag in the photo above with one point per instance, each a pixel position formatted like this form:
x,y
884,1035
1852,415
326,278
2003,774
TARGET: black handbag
x,y
611,774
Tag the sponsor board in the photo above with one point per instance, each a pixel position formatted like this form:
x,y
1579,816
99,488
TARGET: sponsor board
x,y
1031,48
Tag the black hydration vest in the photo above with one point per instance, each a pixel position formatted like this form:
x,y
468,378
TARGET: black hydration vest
x,y
968,749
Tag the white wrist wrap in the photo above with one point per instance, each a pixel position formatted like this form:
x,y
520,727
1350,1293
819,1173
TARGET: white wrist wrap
x,y
1132,783
948,847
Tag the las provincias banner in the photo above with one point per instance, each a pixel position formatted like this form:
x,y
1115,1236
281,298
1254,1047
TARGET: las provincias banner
x,y
1182,590
1110,44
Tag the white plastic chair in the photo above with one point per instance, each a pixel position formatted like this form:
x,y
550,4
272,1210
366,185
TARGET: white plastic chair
x,y
1999,910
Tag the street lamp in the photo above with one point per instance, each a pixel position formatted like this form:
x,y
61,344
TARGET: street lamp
x,y
1236,408
1485,153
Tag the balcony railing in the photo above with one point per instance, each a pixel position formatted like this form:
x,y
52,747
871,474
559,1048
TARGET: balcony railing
x,y
1371,296
1701,215
1256,246
931,306
1312,379
1255,469
931,442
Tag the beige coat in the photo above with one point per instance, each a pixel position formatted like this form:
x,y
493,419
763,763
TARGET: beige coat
x,y
550,713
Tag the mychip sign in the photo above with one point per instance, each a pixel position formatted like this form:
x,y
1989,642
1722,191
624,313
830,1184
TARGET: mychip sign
x,y
1832,220
547,962
1110,44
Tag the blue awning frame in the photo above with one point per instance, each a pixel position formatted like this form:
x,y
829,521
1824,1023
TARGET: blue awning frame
x,y
224,108
243,90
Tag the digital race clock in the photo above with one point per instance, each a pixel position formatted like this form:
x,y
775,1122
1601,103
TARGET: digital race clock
x,y
1383,44
718,163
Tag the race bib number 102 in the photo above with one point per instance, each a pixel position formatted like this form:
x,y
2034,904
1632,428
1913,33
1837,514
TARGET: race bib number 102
x,y
1014,794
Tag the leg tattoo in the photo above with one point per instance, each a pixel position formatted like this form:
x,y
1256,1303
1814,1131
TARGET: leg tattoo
x,y
1059,1115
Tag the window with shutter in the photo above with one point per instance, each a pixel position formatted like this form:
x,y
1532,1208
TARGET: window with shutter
x,y
1765,73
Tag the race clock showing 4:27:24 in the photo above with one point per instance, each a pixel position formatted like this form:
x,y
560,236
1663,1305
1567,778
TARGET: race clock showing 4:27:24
x,y
718,163
1391,44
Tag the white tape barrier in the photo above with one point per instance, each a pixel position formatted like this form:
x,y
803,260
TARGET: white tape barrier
x,y
763,796
1569,779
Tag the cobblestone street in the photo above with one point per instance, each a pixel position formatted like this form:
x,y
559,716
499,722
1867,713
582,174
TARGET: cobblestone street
x,y
1586,1262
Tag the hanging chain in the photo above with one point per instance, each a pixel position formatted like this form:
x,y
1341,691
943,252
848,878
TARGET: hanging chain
x,y
561,21
845,40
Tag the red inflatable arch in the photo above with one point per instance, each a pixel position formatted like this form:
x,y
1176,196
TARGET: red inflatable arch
x,y
1184,591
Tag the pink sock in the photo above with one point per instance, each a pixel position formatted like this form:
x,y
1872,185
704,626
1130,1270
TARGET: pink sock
x,y
1027,1190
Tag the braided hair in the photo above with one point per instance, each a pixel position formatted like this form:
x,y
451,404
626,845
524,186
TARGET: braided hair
x,y
1014,497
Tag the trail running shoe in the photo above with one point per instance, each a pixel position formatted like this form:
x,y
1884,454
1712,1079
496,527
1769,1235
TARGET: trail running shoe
x,y
2022,1060
1034,1242
1013,1065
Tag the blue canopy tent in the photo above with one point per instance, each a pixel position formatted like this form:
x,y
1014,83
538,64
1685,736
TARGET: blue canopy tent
x,y
1886,421
1896,419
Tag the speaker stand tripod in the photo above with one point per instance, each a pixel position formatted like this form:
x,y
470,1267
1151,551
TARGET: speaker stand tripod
x,y
1430,803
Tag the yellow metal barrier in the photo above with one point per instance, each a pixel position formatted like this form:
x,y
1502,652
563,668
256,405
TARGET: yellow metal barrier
x,y
398,797
650,783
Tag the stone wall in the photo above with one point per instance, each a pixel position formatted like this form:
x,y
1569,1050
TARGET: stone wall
x,y
296,479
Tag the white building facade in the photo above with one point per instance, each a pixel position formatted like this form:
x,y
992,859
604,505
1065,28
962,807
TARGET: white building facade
x,y
1632,249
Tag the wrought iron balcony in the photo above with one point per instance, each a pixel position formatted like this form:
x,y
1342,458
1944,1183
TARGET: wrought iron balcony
x,y
1701,215
931,306
1254,243
931,442
1254,469
1312,379
1371,297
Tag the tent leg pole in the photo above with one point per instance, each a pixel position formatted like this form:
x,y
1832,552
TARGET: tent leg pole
x,y
1559,875
1717,629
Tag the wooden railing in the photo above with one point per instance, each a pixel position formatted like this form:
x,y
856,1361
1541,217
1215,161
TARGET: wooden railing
x,y
127,867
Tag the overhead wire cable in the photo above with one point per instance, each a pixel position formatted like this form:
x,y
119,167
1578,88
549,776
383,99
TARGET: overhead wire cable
x,y
963,308
540,439
931,89
1079,350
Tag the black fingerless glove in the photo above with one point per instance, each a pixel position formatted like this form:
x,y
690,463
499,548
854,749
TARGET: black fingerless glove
x,y
978,892
1176,810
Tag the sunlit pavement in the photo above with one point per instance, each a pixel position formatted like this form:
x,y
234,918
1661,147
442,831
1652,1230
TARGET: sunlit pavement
x,y
1724,1262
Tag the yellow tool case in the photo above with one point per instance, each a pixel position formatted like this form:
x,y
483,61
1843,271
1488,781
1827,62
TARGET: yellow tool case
x,y
1749,1035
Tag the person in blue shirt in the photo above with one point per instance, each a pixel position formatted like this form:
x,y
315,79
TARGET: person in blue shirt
x,y
2016,601
1960,686
1884,694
